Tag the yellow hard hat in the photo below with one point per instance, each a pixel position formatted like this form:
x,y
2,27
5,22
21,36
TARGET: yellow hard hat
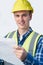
x,y
21,5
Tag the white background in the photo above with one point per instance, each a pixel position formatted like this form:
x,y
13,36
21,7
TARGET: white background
x,y
7,22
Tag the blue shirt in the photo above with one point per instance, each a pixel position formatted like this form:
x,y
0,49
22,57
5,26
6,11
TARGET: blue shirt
x,y
38,58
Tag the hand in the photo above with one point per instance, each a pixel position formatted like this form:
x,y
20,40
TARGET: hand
x,y
20,52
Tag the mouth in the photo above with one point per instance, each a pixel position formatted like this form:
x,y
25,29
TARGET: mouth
x,y
22,23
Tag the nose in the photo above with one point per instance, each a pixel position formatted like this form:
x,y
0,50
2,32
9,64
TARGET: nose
x,y
21,18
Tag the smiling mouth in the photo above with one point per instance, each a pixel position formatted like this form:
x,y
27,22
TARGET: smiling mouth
x,y
22,23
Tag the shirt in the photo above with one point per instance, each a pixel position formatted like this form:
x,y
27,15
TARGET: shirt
x,y
38,58
1,62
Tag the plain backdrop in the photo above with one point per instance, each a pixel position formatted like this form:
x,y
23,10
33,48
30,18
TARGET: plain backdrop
x,y
7,22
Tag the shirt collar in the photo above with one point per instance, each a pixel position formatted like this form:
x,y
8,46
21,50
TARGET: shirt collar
x,y
28,32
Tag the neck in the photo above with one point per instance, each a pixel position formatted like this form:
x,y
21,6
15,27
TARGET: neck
x,y
22,31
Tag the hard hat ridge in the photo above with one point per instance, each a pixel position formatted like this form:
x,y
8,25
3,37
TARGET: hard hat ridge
x,y
20,5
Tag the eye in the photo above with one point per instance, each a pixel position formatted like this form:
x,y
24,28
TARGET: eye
x,y
16,15
25,15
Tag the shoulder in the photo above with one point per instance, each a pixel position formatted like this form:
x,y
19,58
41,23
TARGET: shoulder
x,y
41,38
9,34
40,35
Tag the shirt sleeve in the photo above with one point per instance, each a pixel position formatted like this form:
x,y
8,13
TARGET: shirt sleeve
x,y
1,62
38,58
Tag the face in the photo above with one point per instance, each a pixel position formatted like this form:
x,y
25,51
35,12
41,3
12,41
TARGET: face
x,y
22,19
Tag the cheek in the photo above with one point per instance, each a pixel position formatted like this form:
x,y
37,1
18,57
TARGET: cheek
x,y
26,20
16,19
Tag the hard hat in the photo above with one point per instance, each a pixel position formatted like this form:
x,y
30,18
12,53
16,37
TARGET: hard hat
x,y
21,5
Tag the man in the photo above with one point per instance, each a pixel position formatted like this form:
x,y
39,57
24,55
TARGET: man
x,y
29,47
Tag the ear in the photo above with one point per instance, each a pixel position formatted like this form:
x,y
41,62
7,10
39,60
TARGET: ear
x,y
30,16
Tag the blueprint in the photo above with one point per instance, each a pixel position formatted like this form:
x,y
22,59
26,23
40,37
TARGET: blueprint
x,y
7,52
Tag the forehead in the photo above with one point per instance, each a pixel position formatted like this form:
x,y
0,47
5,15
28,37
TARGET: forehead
x,y
21,12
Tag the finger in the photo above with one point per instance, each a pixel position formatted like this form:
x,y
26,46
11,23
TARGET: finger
x,y
18,54
17,47
17,51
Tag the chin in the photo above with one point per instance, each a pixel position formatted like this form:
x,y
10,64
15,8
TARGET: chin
x,y
22,27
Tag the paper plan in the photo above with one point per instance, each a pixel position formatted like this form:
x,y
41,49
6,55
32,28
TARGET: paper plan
x,y
6,51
